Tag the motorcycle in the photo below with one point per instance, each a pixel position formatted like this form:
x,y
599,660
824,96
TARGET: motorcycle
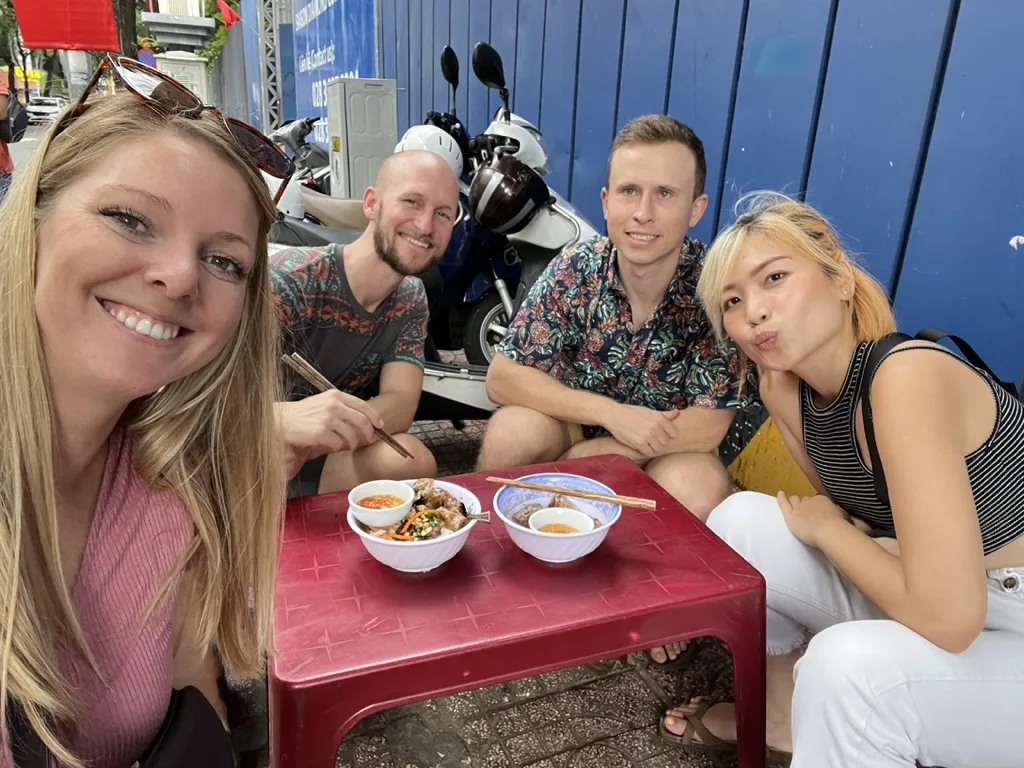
x,y
309,218
312,164
486,275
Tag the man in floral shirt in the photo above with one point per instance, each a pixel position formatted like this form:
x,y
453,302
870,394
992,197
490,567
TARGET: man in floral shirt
x,y
359,316
611,352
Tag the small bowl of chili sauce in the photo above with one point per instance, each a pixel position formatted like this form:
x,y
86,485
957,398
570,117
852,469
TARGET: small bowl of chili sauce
x,y
380,503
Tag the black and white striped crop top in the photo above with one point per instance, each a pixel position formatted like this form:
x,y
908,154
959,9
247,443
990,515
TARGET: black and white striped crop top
x,y
996,468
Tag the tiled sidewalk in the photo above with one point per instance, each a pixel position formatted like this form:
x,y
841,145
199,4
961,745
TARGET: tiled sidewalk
x,y
599,716
454,449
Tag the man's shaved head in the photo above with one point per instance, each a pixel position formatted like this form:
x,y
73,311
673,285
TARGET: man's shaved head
x,y
412,207
416,163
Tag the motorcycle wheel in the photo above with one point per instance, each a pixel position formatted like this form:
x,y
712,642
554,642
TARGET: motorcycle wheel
x,y
485,328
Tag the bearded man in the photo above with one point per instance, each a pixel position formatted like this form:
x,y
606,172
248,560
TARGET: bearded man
x,y
358,314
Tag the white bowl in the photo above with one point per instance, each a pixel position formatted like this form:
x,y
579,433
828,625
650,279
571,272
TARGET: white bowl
x,y
556,547
420,556
381,518
579,522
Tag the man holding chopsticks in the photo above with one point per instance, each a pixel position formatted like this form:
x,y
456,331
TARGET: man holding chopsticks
x,y
358,316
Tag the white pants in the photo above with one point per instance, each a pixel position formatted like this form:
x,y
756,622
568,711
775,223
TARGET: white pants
x,y
869,691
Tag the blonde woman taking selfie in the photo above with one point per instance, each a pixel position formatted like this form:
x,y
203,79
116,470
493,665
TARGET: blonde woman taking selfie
x,y
140,486
917,649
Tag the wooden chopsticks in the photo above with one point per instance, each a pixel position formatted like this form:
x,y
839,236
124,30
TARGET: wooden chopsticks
x,y
314,377
626,501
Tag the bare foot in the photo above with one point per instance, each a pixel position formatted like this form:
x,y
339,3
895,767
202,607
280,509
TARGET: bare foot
x,y
663,654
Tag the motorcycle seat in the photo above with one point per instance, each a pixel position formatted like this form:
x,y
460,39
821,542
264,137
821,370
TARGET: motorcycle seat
x,y
291,231
334,211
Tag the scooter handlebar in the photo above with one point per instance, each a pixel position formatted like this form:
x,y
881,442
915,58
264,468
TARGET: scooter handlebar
x,y
307,127
487,144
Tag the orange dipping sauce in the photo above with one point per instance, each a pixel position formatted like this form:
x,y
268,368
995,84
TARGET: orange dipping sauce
x,y
557,528
380,501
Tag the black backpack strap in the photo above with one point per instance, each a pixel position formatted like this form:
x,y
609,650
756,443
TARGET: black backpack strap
x,y
882,347
936,334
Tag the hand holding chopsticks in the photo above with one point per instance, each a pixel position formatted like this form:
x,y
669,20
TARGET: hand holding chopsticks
x,y
314,377
626,501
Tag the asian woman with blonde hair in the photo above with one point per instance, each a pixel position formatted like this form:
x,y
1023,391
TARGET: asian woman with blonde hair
x,y
915,606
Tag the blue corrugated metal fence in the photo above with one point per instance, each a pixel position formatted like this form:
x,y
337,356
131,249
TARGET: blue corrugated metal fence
x,y
901,121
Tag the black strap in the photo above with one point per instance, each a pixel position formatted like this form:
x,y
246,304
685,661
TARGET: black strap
x,y
935,334
883,347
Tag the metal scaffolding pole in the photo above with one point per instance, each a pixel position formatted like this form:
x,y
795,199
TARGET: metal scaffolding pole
x,y
270,72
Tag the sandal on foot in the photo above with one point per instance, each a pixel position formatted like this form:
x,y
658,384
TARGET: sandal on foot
x,y
698,738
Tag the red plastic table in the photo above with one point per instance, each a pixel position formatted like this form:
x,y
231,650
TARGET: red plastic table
x,y
353,637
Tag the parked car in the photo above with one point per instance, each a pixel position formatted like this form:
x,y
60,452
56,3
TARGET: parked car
x,y
43,109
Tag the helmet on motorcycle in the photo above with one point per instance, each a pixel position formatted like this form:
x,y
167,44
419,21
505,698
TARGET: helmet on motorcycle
x,y
506,194
451,125
433,139
291,202
522,132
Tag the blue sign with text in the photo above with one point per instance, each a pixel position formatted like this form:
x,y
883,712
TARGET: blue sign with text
x,y
333,38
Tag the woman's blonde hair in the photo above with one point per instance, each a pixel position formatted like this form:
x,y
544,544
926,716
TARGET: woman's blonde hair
x,y
209,437
803,232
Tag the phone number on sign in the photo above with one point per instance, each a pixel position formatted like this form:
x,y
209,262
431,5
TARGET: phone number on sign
x,y
319,93
320,87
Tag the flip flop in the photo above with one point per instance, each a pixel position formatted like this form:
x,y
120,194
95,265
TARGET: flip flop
x,y
697,738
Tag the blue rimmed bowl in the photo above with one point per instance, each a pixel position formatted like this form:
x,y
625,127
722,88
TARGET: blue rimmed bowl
x,y
556,547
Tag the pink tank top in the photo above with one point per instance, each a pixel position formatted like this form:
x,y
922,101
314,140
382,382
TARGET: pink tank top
x,y
136,537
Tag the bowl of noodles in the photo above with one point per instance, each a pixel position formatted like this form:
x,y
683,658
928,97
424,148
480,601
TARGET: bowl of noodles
x,y
559,538
433,531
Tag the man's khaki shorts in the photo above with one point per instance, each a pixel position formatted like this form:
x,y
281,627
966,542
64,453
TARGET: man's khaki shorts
x,y
575,434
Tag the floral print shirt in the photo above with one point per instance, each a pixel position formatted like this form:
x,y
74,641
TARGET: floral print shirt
x,y
322,320
576,324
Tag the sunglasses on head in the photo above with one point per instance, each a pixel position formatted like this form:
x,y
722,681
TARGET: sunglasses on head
x,y
172,98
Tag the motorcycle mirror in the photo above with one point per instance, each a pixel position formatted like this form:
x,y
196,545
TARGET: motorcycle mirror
x,y
487,67
450,71
450,67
